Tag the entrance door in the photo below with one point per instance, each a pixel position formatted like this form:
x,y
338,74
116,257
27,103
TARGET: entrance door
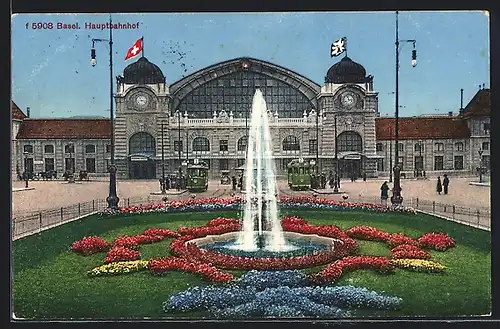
x,y
348,167
142,169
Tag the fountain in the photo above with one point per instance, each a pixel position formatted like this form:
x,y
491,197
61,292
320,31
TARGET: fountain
x,y
261,225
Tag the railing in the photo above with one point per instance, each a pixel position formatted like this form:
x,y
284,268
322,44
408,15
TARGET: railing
x,y
28,223
31,222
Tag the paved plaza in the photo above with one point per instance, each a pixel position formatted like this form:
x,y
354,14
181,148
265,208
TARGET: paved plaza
x,y
52,194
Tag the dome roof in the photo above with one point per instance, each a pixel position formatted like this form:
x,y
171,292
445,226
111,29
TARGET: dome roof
x,y
346,71
142,72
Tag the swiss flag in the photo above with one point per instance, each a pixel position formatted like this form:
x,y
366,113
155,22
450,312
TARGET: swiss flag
x,y
134,50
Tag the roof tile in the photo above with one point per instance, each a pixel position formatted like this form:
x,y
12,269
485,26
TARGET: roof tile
x,y
422,128
17,114
65,129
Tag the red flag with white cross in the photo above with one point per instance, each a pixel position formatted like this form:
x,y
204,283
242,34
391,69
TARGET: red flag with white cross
x,y
134,50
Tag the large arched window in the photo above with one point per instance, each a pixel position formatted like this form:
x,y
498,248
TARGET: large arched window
x,y
242,144
291,143
235,91
201,144
350,141
142,143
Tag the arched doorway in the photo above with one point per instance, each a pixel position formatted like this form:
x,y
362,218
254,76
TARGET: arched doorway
x,y
350,142
142,150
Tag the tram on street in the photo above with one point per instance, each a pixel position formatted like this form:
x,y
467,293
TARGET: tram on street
x,y
197,176
299,174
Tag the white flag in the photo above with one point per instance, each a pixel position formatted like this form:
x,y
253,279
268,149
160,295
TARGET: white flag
x,y
338,47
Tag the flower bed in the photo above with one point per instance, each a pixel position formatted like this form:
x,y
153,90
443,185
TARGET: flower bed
x,y
90,245
161,265
367,233
437,241
409,251
333,271
161,232
118,268
278,294
119,254
419,265
201,231
234,203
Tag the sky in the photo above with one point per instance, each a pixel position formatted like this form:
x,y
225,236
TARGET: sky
x,y
51,71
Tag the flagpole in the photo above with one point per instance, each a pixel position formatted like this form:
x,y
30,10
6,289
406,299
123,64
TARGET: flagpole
x,y
345,46
142,43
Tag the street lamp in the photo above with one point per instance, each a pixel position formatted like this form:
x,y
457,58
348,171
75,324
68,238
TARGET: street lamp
x,y
26,180
396,198
390,154
421,162
112,198
317,139
163,191
179,148
480,165
337,175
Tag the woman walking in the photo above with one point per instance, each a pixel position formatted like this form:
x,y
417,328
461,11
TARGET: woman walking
x,y
439,186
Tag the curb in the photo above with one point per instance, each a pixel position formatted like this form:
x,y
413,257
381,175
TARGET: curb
x,y
480,184
169,193
18,189
481,227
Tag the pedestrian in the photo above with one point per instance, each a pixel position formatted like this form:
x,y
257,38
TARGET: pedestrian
x,y
439,187
364,176
446,182
384,194
331,181
167,183
240,184
233,180
338,180
323,180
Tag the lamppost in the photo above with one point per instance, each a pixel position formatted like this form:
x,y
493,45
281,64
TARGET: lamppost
x,y
337,175
163,187
396,198
317,139
72,163
26,179
480,165
179,148
390,155
187,138
112,198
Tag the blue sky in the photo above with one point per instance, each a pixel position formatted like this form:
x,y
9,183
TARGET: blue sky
x,y
51,73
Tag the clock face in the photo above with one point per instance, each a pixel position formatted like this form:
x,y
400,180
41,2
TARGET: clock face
x,y
348,99
141,100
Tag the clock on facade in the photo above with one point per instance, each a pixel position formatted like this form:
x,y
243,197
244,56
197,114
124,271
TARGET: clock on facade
x,y
348,99
141,101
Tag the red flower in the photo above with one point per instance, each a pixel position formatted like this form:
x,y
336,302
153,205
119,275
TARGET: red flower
x,y
334,270
147,239
120,254
161,265
367,233
223,221
396,239
409,251
202,231
437,241
89,245
161,232
126,241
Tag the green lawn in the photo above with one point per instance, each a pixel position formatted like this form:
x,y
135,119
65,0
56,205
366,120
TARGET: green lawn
x,y
50,281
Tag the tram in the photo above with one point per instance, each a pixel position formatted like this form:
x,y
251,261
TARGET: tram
x,y
197,176
299,174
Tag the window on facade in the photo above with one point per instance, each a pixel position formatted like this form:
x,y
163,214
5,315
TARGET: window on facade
x,y
291,143
486,128
28,149
48,149
419,163
401,147
90,165
458,162
234,92
223,145
49,164
69,165
485,161
108,148
419,147
486,146
439,147
313,146
459,146
90,148
401,162
438,162
380,147
178,146
240,162
350,141
380,164
242,144
69,148
224,164
142,143
201,144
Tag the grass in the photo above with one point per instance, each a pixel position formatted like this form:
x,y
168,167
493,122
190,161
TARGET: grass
x,y
50,281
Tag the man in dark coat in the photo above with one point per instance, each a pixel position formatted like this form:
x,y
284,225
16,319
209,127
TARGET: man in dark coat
x,y
446,182
384,193
439,187
233,181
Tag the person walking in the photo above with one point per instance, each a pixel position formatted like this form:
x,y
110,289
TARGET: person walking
x,y
233,181
439,187
384,194
446,182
